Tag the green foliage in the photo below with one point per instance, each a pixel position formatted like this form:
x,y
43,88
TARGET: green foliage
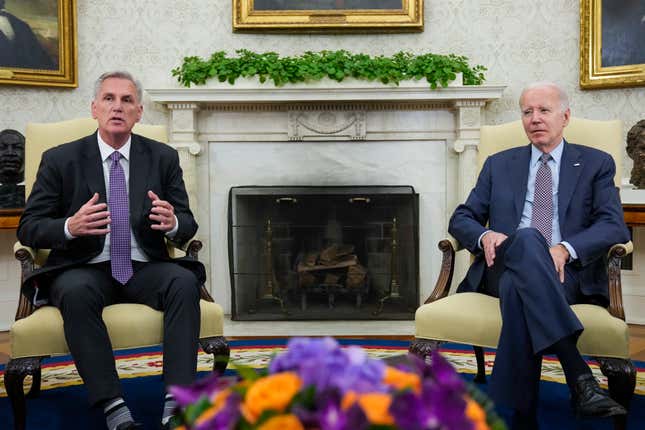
x,y
337,65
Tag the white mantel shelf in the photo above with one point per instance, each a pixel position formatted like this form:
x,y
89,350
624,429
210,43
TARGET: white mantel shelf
x,y
357,91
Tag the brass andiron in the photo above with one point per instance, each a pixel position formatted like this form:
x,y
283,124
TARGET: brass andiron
x,y
271,284
394,279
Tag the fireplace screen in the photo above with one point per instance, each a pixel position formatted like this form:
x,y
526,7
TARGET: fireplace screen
x,y
322,253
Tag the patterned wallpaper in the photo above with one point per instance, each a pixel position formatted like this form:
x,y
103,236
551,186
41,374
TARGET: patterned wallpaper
x,y
519,42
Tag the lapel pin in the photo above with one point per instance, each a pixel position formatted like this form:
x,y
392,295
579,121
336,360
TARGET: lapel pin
x,y
576,164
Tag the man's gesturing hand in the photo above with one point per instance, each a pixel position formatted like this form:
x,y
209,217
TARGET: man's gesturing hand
x,y
560,256
91,219
161,212
490,241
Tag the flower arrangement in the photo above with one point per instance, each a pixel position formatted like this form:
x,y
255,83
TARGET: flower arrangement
x,y
316,384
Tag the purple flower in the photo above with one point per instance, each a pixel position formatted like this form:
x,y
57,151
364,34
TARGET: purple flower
x,y
205,387
356,419
410,413
325,365
226,418
330,414
445,374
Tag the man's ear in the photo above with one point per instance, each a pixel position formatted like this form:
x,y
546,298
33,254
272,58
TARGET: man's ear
x,y
567,116
140,113
93,109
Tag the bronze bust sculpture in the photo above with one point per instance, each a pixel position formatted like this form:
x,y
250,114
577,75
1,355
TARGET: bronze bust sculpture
x,y
636,151
12,169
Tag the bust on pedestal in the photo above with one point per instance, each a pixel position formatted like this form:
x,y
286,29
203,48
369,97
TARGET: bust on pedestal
x,y
12,169
636,151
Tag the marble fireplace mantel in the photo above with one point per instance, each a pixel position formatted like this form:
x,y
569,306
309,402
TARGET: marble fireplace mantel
x,y
249,95
352,133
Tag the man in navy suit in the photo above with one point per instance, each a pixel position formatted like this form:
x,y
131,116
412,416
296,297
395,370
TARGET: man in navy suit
x,y
105,205
540,222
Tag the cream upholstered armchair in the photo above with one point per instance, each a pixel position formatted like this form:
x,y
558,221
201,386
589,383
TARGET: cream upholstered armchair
x,y
38,333
475,319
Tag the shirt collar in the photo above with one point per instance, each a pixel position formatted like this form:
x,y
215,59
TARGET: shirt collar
x,y
106,150
556,154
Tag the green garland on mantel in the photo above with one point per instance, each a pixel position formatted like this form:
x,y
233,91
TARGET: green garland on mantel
x,y
337,65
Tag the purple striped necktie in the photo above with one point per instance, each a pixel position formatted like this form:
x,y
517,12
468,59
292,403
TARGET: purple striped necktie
x,y
542,217
120,253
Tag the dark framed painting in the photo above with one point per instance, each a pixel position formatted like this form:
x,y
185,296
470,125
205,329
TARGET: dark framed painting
x,y
612,43
38,43
328,15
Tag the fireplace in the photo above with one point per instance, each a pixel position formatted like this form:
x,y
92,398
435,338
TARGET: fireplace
x,y
320,253
329,134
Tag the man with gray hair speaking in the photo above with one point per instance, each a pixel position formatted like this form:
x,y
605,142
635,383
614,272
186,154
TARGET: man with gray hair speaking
x,y
553,212
104,205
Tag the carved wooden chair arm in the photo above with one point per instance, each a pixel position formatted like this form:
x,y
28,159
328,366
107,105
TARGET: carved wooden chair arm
x,y
442,287
615,255
26,256
191,248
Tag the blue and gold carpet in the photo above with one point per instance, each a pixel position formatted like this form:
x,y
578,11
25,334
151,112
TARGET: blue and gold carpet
x,y
63,401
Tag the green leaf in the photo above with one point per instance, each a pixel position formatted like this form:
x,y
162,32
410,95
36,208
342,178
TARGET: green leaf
x,y
337,65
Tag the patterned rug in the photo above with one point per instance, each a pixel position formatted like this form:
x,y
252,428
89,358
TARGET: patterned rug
x,y
61,372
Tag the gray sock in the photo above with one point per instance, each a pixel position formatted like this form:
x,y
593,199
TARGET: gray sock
x,y
116,412
169,407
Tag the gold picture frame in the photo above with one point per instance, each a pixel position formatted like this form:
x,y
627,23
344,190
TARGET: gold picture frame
x,y
619,64
42,50
311,16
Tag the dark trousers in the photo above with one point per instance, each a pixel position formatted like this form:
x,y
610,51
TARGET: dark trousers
x,y
535,315
81,293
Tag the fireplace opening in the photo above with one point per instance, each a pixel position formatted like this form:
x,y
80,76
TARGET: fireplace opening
x,y
323,253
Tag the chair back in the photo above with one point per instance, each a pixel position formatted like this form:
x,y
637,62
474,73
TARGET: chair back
x,y
603,135
41,136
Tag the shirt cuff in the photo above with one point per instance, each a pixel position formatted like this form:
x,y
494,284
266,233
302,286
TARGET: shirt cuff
x,y
68,235
572,252
479,241
171,234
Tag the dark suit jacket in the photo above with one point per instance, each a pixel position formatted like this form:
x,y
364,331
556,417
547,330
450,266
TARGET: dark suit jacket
x,y
67,178
589,210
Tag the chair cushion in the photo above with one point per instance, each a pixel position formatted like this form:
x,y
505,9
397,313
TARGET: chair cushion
x,y
129,325
475,319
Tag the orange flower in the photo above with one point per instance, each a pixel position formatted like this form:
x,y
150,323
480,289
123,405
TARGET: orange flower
x,y
376,406
282,422
272,392
476,414
402,380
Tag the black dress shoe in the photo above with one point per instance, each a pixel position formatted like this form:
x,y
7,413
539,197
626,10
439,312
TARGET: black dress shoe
x,y
589,400
130,425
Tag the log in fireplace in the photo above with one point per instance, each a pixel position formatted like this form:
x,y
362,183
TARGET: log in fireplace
x,y
323,253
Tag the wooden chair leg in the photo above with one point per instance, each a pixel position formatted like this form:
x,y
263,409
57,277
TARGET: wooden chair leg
x,y
14,376
218,346
621,379
34,391
423,348
480,378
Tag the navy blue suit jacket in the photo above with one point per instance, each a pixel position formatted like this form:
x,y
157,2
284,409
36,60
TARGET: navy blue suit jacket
x,y
589,210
